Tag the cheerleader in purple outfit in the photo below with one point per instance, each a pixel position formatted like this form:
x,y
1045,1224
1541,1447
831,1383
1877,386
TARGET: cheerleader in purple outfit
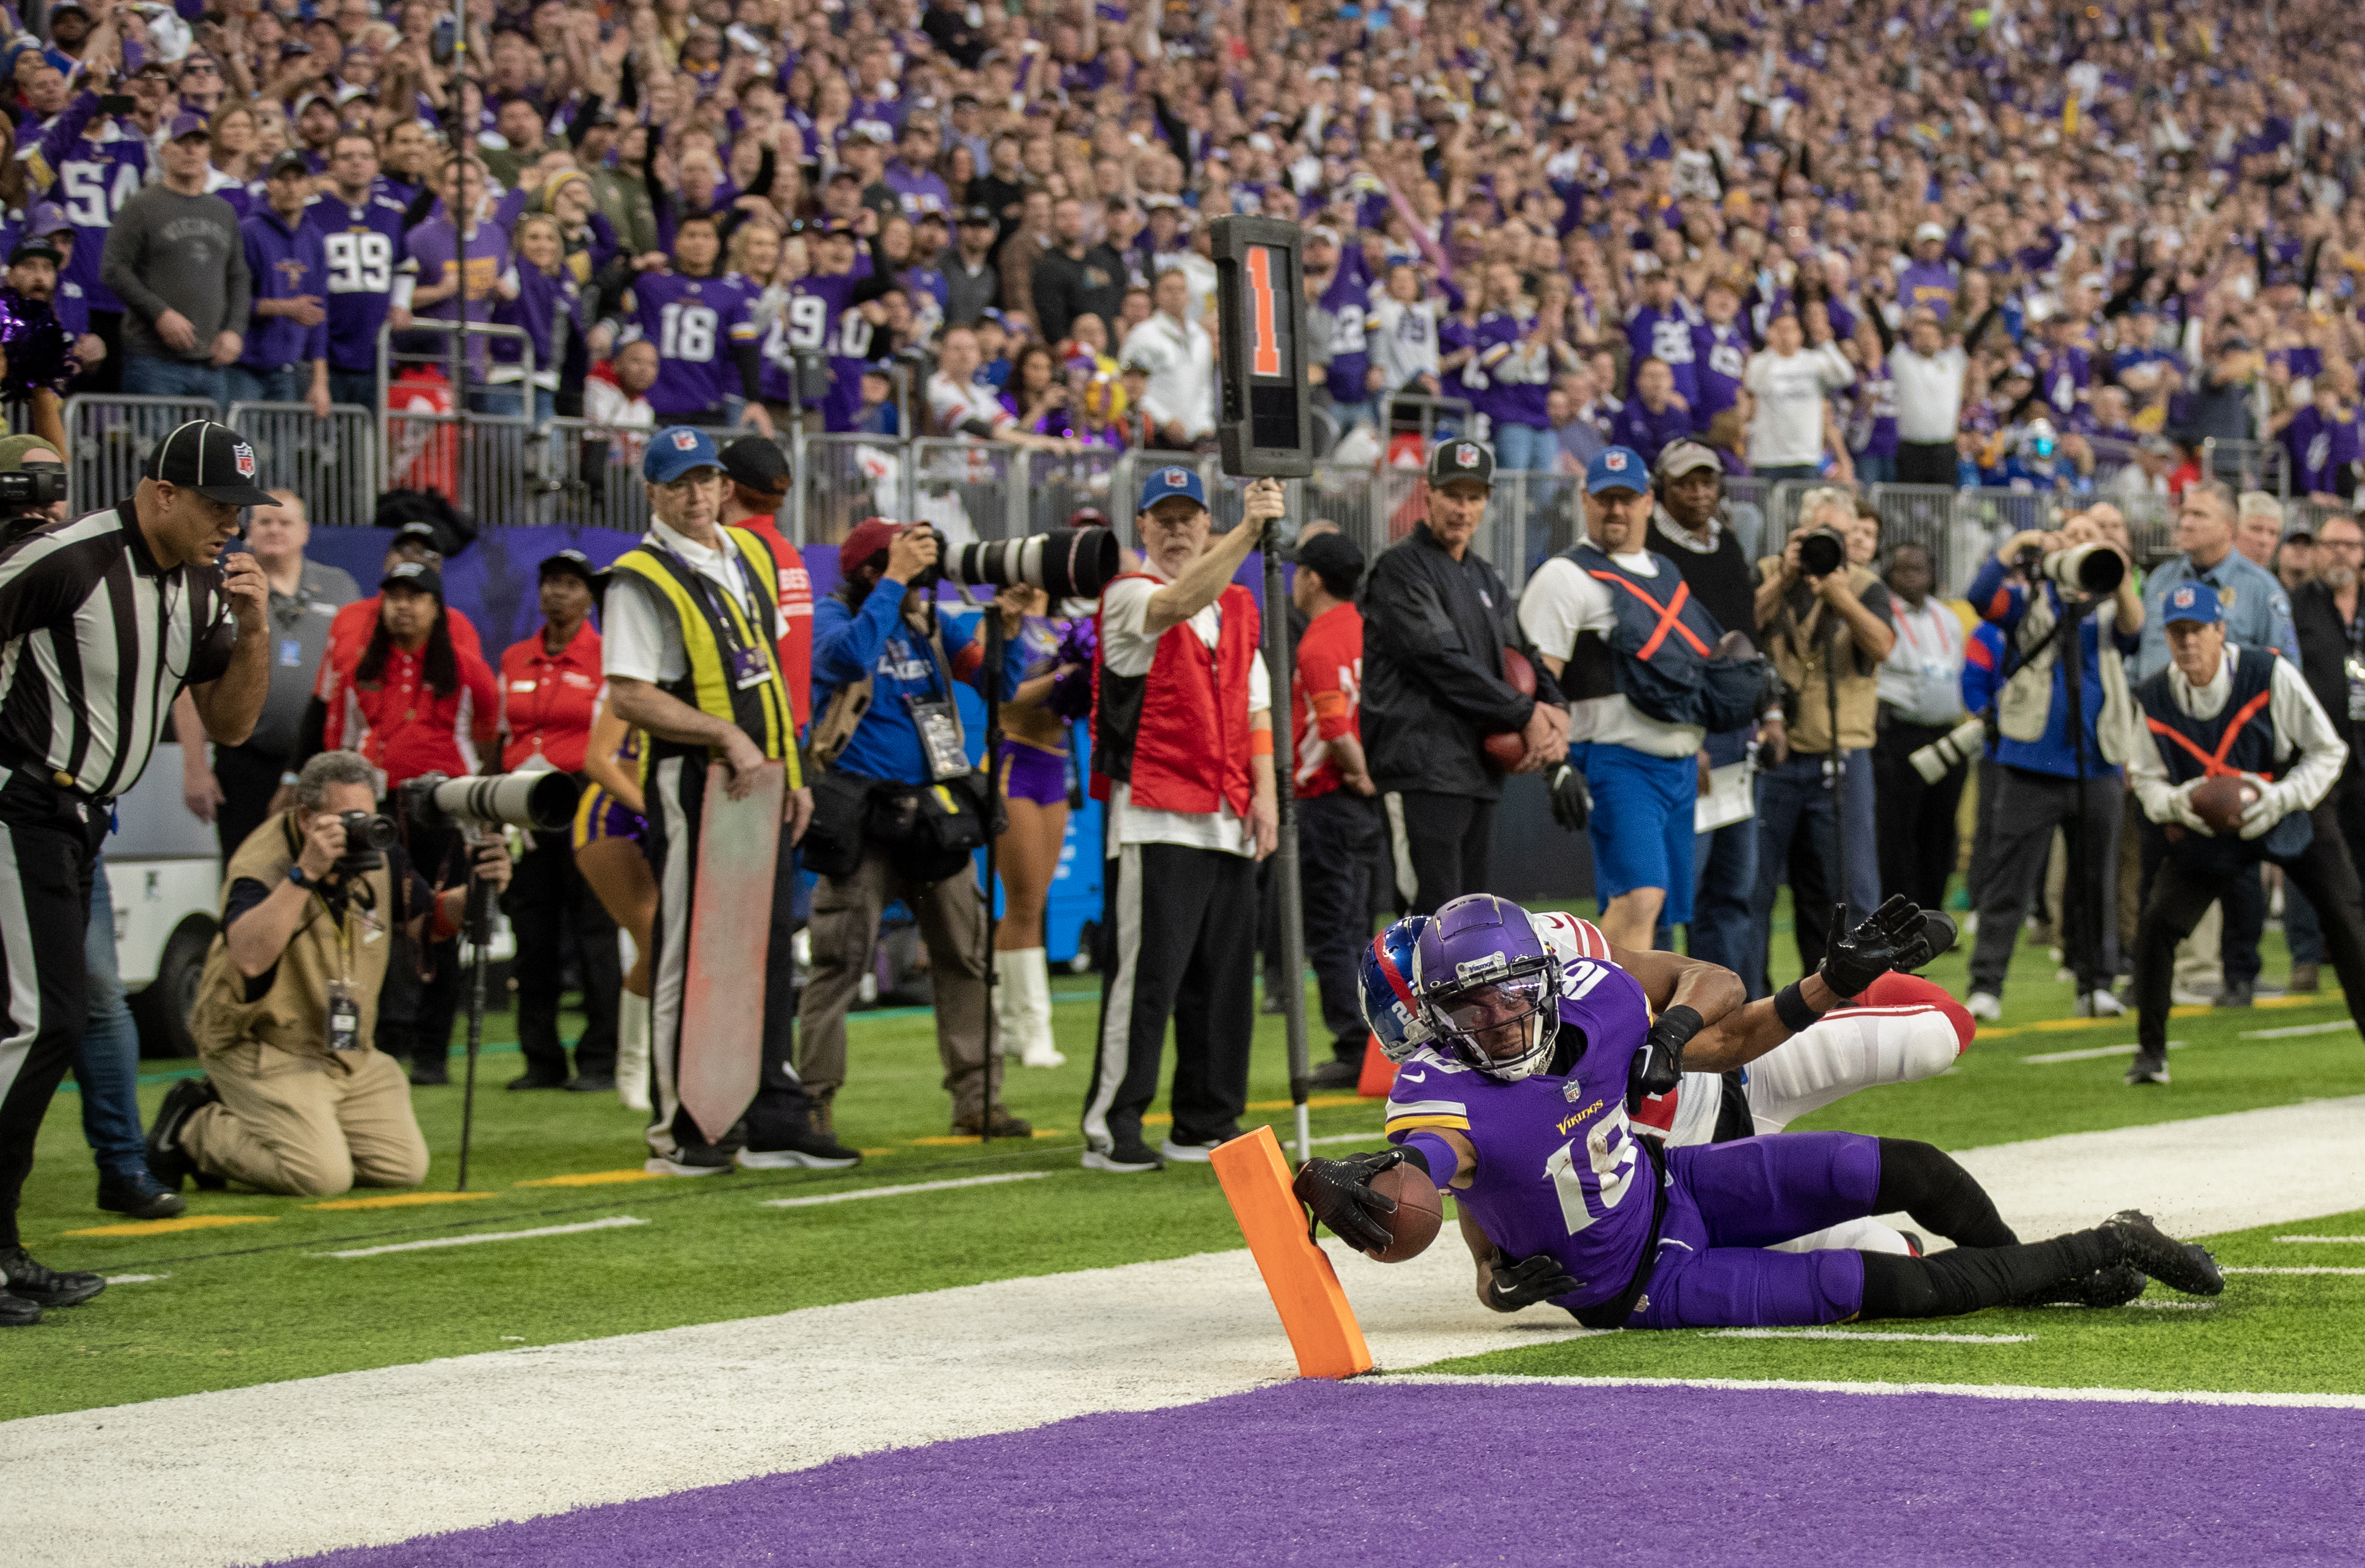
x,y
1034,785
607,828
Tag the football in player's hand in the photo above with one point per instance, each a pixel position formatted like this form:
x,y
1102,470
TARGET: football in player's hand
x,y
1505,750
1419,1213
2220,802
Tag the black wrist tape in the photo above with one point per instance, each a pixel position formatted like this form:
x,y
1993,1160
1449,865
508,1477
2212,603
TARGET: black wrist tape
x,y
1416,1156
1677,1024
1791,1006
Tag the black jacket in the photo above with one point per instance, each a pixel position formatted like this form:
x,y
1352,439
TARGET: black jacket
x,y
1434,631
2324,657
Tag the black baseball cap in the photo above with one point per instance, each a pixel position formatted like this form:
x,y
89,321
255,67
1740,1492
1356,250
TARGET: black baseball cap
x,y
288,162
417,575
423,535
757,463
34,246
567,564
974,217
211,459
1462,459
1334,558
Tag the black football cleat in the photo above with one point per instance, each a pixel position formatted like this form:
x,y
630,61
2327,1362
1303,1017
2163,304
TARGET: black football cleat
x,y
2179,1265
167,1161
2115,1287
44,1286
16,1312
2148,1068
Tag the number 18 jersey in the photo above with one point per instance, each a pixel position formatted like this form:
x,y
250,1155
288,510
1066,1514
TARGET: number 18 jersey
x,y
1559,1170
693,321
365,248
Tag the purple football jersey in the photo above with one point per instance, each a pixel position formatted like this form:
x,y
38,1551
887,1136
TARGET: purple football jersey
x,y
1559,1171
693,321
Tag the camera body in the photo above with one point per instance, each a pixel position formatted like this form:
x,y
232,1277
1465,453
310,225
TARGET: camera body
x,y
367,839
1821,552
36,485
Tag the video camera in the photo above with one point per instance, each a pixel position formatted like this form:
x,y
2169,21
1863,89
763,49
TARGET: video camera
x,y
1065,563
34,485
540,801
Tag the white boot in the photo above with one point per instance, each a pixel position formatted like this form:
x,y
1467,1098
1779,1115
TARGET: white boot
x,y
1032,972
1009,1003
633,1050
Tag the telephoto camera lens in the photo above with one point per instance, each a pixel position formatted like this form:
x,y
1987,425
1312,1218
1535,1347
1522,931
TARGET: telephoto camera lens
x,y
2091,569
540,801
1065,563
1821,552
1957,745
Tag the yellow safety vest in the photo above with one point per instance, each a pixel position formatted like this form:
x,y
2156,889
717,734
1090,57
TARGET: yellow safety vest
x,y
713,622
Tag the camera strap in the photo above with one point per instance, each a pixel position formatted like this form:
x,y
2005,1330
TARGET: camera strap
x,y
745,661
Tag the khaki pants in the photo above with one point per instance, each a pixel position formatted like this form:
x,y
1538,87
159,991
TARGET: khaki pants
x,y
307,1126
844,930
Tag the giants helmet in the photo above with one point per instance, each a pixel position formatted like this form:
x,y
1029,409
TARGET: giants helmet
x,y
1391,1009
1489,985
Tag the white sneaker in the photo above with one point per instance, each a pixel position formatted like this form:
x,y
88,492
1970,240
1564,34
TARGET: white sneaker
x,y
2101,1004
1190,1153
1984,1007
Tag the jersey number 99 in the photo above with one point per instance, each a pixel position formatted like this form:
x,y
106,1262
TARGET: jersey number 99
x,y
359,263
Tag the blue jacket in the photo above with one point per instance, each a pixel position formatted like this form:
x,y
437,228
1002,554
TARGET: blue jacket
x,y
285,260
875,640
2001,604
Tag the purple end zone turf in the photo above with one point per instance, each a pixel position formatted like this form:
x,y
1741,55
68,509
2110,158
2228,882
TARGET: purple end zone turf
x,y
1328,1473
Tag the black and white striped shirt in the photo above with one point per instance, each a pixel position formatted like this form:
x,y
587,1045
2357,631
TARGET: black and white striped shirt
x,y
96,641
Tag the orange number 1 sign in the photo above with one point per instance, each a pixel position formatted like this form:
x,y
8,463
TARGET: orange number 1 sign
x,y
1264,341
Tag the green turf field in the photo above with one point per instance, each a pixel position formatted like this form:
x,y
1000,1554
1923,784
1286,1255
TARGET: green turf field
x,y
255,1301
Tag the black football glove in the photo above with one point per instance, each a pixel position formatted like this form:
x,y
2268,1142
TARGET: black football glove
x,y
1511,1286
1658,1067
1572,802
1340,1194
1873,946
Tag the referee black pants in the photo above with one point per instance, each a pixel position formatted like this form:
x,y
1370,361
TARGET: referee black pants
x,y
1182,933
49,841
1440,843
2183,888
1336,835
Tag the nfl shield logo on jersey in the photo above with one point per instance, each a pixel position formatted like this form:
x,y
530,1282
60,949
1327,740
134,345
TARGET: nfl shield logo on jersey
x,y
1571,1090
245,455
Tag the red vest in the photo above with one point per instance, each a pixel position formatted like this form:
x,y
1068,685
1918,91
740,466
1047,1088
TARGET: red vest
x,y
1179,735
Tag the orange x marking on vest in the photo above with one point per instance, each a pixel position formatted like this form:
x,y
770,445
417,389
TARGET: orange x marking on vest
x,y
2214,765
1670,615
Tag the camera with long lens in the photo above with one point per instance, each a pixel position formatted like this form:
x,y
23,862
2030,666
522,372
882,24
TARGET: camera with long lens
x,y
1821,552
1957,746
538,801
367,839
2092,569
1065,563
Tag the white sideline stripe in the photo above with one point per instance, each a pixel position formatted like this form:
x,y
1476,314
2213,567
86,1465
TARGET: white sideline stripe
x,y
899,1192
2093,1053
2298,1029
1958,1390
135,1279
2175,1306
1848,1334
1375,1135
2343,1239
610,1222
800,1388
2291,1270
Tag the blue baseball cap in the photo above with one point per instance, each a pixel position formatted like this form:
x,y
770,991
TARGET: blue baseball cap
x,y
1617,468
675,451
1172,480
2196,603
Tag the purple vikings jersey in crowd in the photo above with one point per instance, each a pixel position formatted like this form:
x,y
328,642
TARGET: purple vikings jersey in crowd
x,y
94,179
818,318
693,321
1667,335
1723,354
365,248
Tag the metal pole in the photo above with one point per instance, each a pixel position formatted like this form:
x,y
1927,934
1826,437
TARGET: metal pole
x,y
1836,776
479,921
455,140
1280,658
993,618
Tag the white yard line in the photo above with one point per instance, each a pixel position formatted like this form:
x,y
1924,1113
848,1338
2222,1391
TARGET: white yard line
x,y
2295,1030
610,1222
718,1402
907,1187
1852,1334
2175,1306
1958,1390
2341,1240
2093,1053
2353,1271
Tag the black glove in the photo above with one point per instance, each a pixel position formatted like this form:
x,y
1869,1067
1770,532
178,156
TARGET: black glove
x,y
1572,802
1937,937
1511,1286
1340,1194
1659,1065
1873,946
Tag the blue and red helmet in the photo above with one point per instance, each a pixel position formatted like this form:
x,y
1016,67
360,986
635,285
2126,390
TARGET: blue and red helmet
x,y
1391,1008
1489,986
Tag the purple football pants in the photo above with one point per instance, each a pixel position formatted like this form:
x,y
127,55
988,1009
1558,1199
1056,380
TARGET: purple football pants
x,y
1728,1202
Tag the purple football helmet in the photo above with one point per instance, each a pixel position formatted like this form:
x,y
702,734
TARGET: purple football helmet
x,y
1490,986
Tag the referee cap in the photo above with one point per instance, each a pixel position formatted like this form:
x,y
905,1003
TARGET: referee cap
x,y
211,459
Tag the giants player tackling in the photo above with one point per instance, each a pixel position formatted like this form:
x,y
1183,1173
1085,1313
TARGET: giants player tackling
x,y
1545,1050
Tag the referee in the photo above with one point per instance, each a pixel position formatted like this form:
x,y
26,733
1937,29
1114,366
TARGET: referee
x,y
102,621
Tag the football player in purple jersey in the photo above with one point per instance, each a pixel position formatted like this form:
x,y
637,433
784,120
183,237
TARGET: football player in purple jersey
x,y
1520,1106
707,351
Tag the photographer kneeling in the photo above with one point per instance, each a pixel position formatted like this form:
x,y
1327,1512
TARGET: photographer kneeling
x,y
297,1098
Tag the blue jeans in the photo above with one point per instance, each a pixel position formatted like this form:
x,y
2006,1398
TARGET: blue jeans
x,y
2303,928
256,383
1723,925
1521,447
144,376
107,1067
1791,800
1876,468
1350,415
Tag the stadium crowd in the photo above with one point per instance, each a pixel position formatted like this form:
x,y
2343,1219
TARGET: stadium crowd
x,y
1651,251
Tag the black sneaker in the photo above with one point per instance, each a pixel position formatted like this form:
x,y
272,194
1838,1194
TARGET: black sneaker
x,y
432,1070
1336,1074
167,1161
2179,1265
137,1194
592,1083
804,1149
1129,1157
2235,994
2146,1068
2115,1287
537,1078
45,1286
687,1159
16,1312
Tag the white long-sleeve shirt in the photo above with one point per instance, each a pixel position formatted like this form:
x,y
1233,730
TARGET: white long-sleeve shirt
x,y
1789,430
1929,391
1403,339
2300,727
1181,359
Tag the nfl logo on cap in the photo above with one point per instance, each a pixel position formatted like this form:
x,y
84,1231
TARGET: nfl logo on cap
x,y
685,440
245,455
1465,455
1177,477
2184,599
1614,461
